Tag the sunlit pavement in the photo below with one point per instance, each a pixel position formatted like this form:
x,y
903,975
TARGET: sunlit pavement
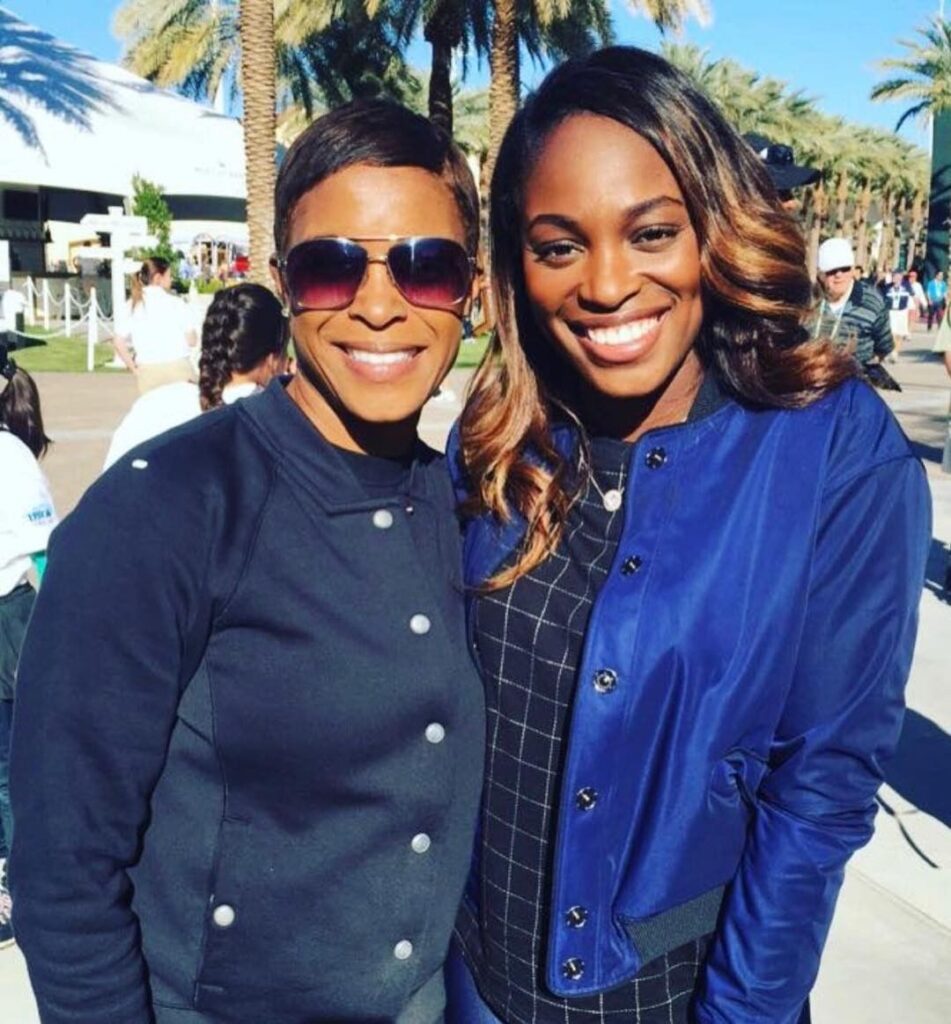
x,y
887,961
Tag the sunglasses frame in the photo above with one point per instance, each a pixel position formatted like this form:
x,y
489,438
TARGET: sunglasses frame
x,y
280,263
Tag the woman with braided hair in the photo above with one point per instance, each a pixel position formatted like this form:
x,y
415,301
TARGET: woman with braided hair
x,y
26,519
243,345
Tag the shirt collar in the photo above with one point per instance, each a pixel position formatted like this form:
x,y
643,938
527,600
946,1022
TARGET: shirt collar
x,y
312,461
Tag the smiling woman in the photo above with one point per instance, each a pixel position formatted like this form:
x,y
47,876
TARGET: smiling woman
x,y
281,752
678,511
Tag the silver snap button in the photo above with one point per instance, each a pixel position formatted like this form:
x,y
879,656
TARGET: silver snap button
x,y
421,843
586,798
140,464
383,519
605,680
435,733
403,950
223,915
573,968
576,916
420,624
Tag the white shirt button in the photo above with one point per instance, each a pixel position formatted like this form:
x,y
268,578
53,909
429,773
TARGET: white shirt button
x,y
223,915
421,843
383,519
435,733
403,950
420,624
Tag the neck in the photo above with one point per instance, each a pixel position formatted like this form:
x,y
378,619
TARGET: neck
x,y
338,426
237,379
840,298
628,418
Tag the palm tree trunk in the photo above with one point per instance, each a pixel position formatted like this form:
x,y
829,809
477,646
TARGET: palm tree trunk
x,y
862,205
504,83
443,32
842,198
917,224
815,228
888,230
259,91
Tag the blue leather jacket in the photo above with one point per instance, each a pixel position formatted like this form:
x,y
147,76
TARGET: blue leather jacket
x,y
759,649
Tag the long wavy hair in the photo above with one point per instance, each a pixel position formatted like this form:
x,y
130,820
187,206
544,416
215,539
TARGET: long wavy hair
x,y
243,326
756,289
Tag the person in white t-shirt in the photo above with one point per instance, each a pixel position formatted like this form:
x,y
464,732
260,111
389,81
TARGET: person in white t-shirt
x,y
27,518
243,345
11,305
161,333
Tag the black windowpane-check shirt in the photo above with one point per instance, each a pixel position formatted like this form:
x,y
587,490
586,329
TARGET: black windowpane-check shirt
x,y
530,638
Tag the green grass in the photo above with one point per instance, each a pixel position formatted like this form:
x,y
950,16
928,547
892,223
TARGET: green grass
x,y
470,352
49,352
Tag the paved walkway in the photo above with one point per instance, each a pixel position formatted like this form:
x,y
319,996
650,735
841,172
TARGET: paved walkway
x,y
888,960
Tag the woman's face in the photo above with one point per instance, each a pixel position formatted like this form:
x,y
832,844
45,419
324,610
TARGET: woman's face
x,y
379,359
611,261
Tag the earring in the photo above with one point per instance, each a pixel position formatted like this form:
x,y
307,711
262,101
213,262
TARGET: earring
x,y
286,312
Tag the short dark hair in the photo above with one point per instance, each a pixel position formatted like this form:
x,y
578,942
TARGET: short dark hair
x,y
381,133
243,326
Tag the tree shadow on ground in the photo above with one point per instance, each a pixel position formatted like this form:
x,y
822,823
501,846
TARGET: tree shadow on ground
x,y
38,69
921,768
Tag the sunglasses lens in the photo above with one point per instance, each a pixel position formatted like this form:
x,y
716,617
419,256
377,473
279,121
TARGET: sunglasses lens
x,y
324,273
432,272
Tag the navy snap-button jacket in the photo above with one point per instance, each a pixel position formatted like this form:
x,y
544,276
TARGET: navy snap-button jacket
x,y
739,691
230,728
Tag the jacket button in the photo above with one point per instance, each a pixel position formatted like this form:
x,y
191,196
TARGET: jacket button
x,y
435,733
605,680
420,624
573,968
655,458
576,916
631,564
586,798
383,519
403,950
223,915
420,843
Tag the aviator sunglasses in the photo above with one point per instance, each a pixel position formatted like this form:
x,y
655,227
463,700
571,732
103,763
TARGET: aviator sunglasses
x,y
326,273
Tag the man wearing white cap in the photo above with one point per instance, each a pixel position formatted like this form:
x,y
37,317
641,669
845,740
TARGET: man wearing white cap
x,y
852,312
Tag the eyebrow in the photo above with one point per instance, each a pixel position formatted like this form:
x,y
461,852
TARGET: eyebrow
x,y
559,220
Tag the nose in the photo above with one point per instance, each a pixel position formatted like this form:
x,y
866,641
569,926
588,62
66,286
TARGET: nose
x,y
378,302
610,277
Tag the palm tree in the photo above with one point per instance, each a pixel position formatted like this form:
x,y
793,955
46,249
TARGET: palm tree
x,y
326,50
925,74
924,80
259,78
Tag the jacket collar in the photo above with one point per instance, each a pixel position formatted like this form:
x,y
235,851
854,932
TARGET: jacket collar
x,y
310,460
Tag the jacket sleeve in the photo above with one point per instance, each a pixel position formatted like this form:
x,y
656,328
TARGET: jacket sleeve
x,y
118,619
840,724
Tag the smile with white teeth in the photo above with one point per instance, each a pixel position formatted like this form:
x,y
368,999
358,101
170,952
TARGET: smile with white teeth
x,y
624,334
362,355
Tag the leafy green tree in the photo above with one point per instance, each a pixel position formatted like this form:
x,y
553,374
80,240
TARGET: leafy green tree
x,y
924,77
148,200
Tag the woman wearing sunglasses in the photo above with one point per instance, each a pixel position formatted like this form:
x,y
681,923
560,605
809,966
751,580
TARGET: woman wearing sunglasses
x,y
696,545
254,802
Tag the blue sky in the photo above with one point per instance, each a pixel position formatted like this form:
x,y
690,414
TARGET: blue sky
x,y
827,48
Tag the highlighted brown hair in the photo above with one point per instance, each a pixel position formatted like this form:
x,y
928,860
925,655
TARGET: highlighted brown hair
x,y
757,292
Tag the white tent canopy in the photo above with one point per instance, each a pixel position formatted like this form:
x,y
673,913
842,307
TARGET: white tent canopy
x,y
70,121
